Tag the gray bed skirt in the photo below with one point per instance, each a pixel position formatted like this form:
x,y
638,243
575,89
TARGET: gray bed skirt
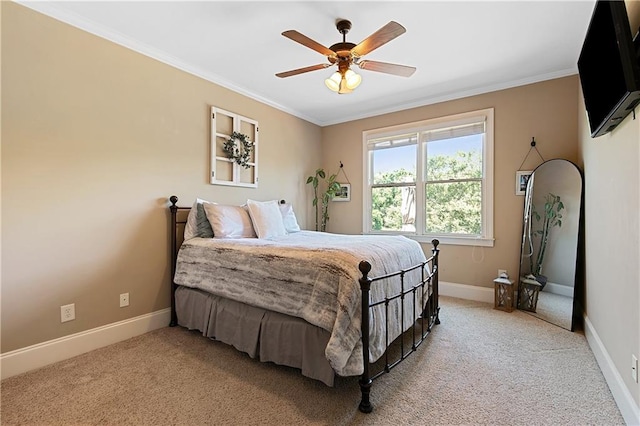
x,y
266,335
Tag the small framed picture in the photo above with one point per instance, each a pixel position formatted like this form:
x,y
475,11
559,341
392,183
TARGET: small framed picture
x,y
522,177
344,194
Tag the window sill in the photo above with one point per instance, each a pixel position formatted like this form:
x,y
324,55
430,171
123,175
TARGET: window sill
x,y
455,241
446,240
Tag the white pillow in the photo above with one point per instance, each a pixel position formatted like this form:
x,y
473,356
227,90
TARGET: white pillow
x,y
289,218
229,221
197,226
266,218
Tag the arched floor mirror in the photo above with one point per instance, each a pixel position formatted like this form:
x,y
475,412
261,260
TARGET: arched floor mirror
x,y
550,255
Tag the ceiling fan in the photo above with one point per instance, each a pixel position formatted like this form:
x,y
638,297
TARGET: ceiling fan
x,y
345,54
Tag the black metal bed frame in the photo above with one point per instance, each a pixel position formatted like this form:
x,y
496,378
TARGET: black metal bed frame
x,y
428,292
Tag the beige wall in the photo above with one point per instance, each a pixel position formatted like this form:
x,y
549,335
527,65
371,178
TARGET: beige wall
x,y
612,206
546,111
95,137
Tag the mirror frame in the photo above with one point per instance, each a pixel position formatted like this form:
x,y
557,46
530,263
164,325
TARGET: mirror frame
x,y
578,278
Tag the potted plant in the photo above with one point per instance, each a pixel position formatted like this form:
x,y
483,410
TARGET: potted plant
x,y
332,187
551,217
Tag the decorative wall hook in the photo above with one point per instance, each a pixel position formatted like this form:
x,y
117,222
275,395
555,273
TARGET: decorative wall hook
x,y
341,169
533,146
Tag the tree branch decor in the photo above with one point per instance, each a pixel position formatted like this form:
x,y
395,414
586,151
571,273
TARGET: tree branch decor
x,y
238,148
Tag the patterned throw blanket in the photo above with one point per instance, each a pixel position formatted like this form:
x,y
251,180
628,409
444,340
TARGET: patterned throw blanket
x,y
310,275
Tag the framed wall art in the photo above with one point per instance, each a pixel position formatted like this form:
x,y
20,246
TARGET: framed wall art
x,y
522,177
344,194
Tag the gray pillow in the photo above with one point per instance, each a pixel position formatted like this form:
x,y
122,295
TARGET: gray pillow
x,y
203,227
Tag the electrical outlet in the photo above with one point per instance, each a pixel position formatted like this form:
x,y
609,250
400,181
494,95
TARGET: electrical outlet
x,y
502,271
67,312
124,300
634,368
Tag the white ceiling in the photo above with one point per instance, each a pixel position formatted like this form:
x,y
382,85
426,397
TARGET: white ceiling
x,y
460,48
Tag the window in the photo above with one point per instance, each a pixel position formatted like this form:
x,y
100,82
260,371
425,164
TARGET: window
x,y
432,179
224,170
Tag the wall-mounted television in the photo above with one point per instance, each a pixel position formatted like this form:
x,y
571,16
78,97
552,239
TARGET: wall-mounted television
x,y
608,67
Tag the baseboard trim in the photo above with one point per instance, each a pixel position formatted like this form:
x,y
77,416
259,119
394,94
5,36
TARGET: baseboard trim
x,y
628,408
560,289
465,291
42,354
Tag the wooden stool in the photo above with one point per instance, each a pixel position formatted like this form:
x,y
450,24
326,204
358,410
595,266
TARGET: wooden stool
x,y
504,294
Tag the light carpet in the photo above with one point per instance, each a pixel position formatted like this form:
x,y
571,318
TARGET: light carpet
x,y
480,366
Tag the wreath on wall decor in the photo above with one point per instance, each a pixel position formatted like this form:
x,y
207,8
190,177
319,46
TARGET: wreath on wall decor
x,y
238,148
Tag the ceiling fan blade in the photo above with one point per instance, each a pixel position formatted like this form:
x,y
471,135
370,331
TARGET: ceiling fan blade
x,y
302,70
395,69
380,37
306,41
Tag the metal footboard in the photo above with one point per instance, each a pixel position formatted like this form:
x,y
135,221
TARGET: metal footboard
x,y
426,289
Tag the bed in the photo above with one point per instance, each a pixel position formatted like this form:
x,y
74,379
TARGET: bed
x,y
327,304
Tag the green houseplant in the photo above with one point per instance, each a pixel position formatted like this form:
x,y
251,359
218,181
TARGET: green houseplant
x,y
551,217
332,187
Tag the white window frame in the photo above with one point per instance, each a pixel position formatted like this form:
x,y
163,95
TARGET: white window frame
x,y
237,121
486,239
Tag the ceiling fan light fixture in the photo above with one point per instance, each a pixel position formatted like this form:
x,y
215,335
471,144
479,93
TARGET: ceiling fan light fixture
x,y
333,82
343,87
342,84
353,80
